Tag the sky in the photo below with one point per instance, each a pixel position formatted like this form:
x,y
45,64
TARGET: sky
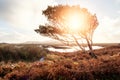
x,y
19,18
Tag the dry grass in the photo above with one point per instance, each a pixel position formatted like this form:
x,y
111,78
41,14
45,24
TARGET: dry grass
x,y
67,66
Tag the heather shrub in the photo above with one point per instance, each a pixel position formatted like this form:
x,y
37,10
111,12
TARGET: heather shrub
x,y
25,53
61,66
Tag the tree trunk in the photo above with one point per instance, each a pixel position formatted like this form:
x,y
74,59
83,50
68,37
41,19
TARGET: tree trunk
x,y
78,44
91,53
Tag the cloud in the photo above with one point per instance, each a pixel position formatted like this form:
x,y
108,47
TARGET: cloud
x,y
10,37
24,13
4,6
108,30
118,1
19,37
22,16
118,12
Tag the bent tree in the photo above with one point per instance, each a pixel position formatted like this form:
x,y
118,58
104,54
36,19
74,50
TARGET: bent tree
x,y
70,24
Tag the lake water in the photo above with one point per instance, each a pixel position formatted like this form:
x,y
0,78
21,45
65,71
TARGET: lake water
x,y
71,49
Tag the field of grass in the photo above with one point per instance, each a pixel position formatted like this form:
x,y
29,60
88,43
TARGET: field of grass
x,y
23,63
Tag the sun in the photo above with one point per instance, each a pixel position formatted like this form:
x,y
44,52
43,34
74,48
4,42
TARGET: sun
x,y
75,22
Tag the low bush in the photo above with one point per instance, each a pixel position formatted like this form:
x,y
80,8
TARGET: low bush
x,y
61,66
25,53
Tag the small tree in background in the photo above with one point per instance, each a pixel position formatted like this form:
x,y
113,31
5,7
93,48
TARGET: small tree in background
x,y
70,24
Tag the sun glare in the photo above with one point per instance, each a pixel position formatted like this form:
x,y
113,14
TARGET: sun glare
x,y
75,22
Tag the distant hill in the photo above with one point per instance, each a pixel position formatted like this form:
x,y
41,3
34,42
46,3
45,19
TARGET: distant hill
x,y
53,43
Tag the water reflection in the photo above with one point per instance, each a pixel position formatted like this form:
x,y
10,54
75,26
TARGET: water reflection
x,y
71,49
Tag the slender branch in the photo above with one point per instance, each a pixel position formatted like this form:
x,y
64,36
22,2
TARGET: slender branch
x,y
78,43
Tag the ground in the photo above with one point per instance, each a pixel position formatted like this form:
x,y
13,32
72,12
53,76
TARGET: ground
x,y
63,66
